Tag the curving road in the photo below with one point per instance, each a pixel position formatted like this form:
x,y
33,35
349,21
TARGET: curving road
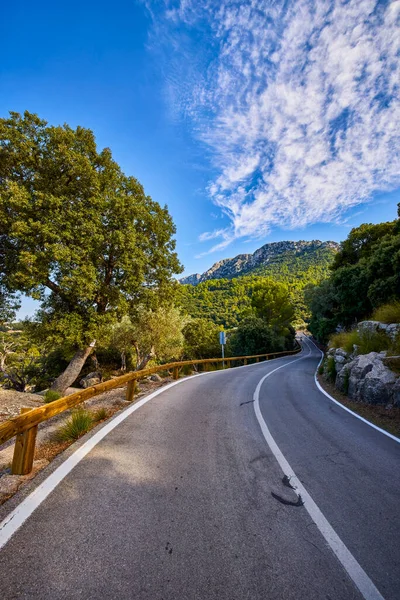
x,y
175,503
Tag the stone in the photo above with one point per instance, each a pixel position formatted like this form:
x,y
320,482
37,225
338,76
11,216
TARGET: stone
x,y
342,379
393,330
377,387
156,377
341,352
396,393
9,484
91,379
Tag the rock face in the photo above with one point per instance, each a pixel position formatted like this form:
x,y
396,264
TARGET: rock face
x,y
231,267
91,379
391,329
366,378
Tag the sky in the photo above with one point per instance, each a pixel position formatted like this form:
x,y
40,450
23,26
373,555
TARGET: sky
x,y
254,121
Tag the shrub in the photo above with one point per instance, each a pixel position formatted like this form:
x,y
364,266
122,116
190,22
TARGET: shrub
x,y
373,341
387,313
51,395
100,414
78,424
321,369
331,369
345,340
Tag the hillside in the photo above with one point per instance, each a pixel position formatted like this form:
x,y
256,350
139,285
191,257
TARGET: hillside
x,y
223,293
269,260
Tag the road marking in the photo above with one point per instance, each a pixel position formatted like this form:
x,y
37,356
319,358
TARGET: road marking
x,y
321,389
23,511
352,567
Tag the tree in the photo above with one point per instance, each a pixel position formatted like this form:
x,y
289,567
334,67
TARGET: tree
x,y
77,234
19,361
255,336
271,302
201,339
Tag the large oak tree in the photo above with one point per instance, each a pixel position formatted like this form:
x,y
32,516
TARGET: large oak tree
x,y
76,233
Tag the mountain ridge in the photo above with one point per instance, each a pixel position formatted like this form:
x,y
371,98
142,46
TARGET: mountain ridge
x,y
270,253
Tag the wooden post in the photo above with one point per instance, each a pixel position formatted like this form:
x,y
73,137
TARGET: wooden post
x,y
257,359
176,373
24,450
131,390
245,361
228,363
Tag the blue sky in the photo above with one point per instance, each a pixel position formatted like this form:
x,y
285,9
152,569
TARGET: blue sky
x,y
255,121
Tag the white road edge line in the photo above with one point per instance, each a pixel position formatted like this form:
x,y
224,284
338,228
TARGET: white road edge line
x,y
321,389
350,564
23,511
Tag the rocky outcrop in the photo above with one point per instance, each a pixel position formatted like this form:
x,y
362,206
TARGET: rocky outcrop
x,y
391,330
243,263
366,378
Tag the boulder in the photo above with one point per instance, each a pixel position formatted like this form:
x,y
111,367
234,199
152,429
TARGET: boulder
x,y
155,377
91,379
342,379
377,387
396,393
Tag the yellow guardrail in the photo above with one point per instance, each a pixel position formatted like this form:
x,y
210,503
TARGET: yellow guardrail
x,y
25,425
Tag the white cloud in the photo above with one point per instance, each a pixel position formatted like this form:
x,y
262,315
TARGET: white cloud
x,y
299,106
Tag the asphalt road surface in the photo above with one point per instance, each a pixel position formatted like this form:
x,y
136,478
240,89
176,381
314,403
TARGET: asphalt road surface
x,y
175,503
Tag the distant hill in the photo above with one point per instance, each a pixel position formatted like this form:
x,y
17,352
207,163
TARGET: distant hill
x,y
223,293
267,260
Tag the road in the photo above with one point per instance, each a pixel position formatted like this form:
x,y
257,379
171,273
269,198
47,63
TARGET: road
x,y
176,503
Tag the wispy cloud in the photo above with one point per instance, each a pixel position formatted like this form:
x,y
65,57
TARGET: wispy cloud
x,y
298,104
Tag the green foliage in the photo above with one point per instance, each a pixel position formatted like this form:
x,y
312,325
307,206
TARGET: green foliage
x,y
366,341
201,339
20,361
365,276
77,233
255,336
228,301
271,302
345,340
100,414
330,369
77,425
50,396
388,313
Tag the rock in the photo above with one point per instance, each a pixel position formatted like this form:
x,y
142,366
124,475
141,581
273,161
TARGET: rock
x,y
9,484
342,379
155,377
341,352
393,330
359,368
91,379
377,387
396,393
369,326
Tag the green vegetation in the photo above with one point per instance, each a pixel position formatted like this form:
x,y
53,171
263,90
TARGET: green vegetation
x,y
51,395
228,301
365,281
78,424
78,235
99,415
388,313
366,341
330,369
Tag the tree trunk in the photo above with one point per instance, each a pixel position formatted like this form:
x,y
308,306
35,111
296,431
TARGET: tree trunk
x,y
68,377
146,359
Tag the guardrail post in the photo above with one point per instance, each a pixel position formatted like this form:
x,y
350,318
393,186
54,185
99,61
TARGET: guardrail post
x,y
24,450
245,361
228,363
257,359
176,373
131,390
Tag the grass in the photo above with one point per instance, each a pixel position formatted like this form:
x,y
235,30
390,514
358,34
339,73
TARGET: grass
x,y
100,414
79,423
331,369
387,313
367,341
51,395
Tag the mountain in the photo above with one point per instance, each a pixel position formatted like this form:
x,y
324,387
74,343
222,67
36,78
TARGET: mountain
x,y
267,260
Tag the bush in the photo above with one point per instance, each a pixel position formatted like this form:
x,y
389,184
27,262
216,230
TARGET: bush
x,y
345,340
51,395
387,313
331,369
78,424
367,341
100,414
